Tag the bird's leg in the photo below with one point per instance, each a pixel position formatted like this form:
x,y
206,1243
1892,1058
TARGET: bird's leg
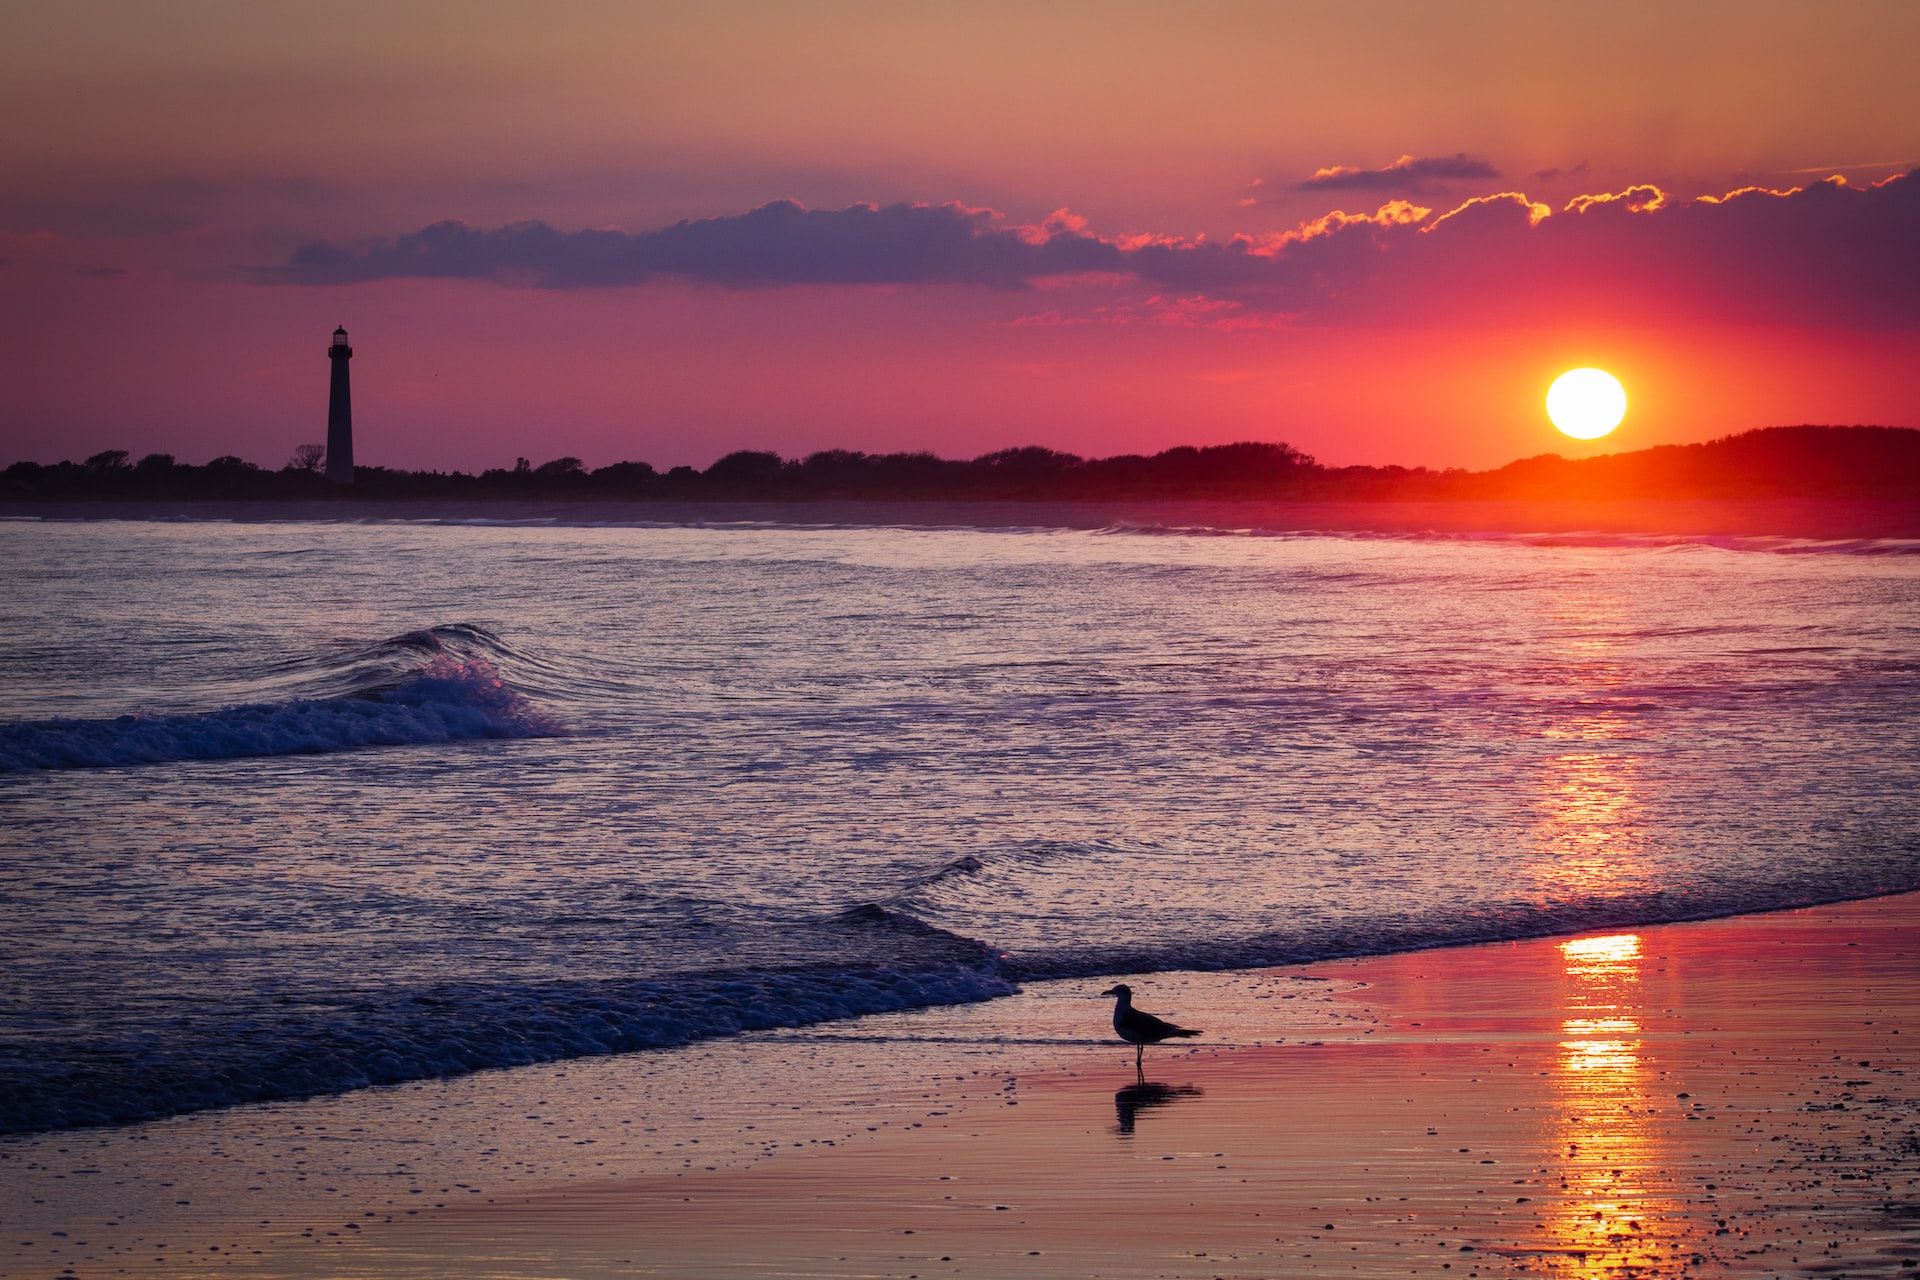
x,y
1139,1056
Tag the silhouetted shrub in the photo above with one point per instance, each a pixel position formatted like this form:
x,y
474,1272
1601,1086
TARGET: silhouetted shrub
x,y
747,467
1804,461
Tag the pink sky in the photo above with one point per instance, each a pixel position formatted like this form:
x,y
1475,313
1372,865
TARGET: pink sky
x,y
198,194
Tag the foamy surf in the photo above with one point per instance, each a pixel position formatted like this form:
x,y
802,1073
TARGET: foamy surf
x,y
350,1038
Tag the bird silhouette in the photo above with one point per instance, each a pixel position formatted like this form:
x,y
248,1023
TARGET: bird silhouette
x,y
1138,1028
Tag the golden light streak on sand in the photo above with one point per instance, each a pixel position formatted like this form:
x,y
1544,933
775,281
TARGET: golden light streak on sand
x,y
1605,1220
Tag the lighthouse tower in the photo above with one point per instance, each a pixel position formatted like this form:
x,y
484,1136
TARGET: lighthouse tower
x,y
339,412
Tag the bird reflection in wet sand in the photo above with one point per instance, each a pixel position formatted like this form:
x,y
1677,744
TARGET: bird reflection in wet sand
x,y
1145,1096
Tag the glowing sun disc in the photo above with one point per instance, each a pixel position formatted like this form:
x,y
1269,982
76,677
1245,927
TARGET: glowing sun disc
x,y
1586,403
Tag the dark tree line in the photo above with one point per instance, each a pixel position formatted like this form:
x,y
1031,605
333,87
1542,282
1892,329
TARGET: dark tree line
x,y
1804,461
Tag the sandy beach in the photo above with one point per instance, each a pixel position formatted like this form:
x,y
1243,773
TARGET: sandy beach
x,y
1734,1097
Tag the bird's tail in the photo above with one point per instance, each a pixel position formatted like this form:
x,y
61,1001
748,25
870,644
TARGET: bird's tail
x,y
1183,1032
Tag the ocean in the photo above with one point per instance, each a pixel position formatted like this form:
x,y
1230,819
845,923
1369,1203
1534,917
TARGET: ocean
x,y
292,808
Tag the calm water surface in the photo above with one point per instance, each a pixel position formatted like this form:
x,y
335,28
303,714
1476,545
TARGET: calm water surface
x,y
292,808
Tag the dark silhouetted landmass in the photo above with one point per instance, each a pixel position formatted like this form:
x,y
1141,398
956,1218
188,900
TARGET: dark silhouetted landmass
x,y
1771,463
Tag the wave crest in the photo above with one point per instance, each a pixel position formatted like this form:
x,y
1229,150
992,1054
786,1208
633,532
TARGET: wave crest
x,y
383,695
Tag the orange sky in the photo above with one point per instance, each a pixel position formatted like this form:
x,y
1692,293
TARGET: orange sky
x,y
166,164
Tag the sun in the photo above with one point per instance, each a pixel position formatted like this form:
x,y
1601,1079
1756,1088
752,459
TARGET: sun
x,y
1586,403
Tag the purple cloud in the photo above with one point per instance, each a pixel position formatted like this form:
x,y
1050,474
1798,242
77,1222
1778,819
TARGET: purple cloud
x,y
1407,174
780,243
1825,254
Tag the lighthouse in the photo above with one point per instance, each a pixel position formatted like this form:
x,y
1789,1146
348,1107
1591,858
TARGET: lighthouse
x,y
339,411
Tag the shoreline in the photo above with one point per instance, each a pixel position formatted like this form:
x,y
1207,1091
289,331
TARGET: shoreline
x,y
1816,518
958,1009
1330,1091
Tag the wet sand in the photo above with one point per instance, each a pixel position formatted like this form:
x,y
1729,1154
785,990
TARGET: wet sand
x,y
1734,1097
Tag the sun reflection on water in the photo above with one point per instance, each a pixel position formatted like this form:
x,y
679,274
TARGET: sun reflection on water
x,y
1589,844
1587,836
1588,807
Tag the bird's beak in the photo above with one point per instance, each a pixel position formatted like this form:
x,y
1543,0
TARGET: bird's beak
x,y
1111,991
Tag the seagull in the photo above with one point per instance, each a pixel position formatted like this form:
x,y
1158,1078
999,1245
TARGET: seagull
x,y
1139,1029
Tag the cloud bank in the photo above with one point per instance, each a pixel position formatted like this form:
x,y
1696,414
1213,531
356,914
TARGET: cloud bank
x,y
780,243
1821,255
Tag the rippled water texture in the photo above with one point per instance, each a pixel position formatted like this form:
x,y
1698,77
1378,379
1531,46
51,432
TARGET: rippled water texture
x,y
293,808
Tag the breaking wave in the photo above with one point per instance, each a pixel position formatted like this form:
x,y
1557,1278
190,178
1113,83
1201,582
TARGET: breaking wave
x,y
442,684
